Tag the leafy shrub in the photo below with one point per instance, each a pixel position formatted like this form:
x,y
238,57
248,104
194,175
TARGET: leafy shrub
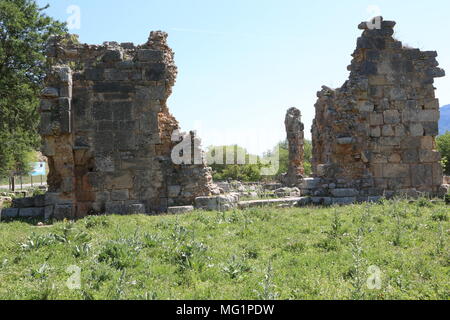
x,y
236,267
190,255
35,241
95,221
120,254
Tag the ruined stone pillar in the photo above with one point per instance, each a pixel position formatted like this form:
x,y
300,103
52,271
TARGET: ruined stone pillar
x,y
295,137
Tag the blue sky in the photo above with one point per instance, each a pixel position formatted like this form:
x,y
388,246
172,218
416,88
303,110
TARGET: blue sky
x,y
243,63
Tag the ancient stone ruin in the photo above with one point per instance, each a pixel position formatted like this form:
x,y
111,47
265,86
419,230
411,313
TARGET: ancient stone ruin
x,y
113,146
376,134
295,138
108,134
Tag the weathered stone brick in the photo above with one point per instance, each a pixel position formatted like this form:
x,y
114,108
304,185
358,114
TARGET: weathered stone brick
x,y
396,171
422,174
391,117
416,130
148,55
120,195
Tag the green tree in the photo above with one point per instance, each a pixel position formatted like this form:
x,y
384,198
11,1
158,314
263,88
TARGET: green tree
x,y
443,143
24,31
242,166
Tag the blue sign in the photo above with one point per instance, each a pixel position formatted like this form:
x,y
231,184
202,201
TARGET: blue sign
x,y
38,169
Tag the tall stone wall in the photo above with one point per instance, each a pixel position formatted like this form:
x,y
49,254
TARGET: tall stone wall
x,y
108,133
295,137
376,134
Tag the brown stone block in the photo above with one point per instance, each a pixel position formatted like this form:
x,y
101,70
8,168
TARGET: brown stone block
x,y
377,170
429,156
427,143
119,181
396,170
432,104
422,175
391,117
376,119
438,175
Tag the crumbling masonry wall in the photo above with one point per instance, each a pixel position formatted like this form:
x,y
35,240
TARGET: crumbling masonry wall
x,y
376,134
107,131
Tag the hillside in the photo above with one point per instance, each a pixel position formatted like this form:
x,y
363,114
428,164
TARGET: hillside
x,y
444,123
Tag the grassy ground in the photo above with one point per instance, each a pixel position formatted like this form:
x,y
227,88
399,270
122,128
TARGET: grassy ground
x,y
392,250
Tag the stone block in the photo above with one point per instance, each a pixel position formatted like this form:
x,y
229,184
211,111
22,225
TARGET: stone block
x,y
422,175
391,117
94,74
410,156
116,75
343,193
113,55
104,142
427,143
432,104
375,132
122,110
429,156
174,191
343,201
121,208
120,195
155,72
27,202
120,181
49,93
396,170
365,106
429,115
310,183
9,213
376,119
431,128
398,94
124,141
400,130
217,203
102,111
345,140
48,212
147,55
45,128
112,87
388,131
32,212
102,196
39,201
63,211
395,158
438,174
180,210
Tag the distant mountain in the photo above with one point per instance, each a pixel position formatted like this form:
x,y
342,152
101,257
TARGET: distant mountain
x,y
444,123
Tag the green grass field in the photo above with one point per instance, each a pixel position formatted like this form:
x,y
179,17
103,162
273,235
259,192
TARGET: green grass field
x,y
392,250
